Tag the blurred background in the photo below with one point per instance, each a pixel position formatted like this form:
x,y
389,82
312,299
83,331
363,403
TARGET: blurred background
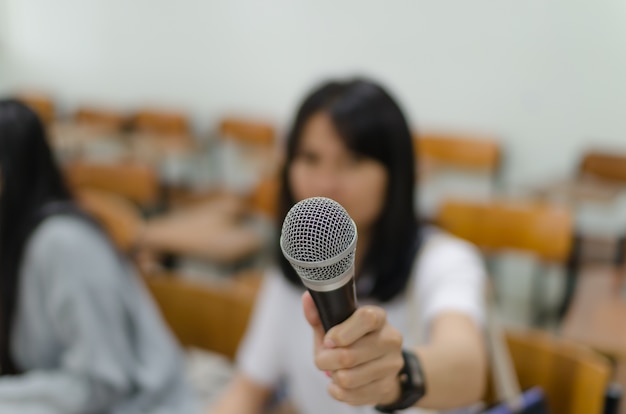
x,y
547,78
168,118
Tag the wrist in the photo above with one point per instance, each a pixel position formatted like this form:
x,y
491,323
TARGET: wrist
x,y
411,385
395,393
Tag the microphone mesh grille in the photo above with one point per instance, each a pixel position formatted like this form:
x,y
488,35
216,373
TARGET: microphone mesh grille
x,y
317,229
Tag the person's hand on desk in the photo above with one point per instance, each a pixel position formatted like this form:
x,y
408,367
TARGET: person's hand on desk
x,y
362,355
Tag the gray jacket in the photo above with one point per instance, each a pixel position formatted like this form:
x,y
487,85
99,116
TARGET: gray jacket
x,y
87,334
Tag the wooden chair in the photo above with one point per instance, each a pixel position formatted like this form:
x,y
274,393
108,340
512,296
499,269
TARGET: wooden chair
x,y
161,122
458,165
135,182
604,165
42,104
119,217
609,169
264,198
574,378
248,131
101,118
249,157
543,230
466,152
211,316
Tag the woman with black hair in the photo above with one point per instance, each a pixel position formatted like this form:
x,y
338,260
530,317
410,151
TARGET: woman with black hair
x,y
351,142
78,332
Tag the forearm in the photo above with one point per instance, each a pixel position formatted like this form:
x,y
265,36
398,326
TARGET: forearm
x,y
454,377
242,396
455,368
52,393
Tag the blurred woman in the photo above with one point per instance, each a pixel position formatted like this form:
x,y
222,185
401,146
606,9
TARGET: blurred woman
x,y
351,142
78,332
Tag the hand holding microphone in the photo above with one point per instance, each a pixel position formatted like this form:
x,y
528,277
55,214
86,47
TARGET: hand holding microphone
x,y
358,347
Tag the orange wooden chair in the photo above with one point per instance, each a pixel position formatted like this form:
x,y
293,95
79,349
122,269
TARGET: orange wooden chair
x,y
573,378
609,167
206,315
604,165
248,131
264,198
135,182
543,230
120,218
461,151
250,156
107,119
454,165
161,122
42,104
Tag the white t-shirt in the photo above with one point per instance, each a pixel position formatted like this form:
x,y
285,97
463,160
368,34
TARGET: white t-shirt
x,y
449,276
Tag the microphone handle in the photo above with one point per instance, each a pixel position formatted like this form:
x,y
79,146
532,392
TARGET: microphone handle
x,y
335,306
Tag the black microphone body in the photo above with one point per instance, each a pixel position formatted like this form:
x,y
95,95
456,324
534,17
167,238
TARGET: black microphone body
x,y
319,238
335,306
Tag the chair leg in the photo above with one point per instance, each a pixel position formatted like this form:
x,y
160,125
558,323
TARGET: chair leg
x,y
538,316
620,252
572,269
614,391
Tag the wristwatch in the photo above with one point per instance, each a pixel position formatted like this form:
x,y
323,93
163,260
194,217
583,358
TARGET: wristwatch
x,y
412,384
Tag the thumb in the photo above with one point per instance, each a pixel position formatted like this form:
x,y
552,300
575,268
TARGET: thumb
x,y
313,318
310,311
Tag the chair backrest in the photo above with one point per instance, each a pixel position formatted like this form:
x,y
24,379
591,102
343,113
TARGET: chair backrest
x,y
135,182
541,229
208,316
574,378
120,218
101,118
607,166
264,197
161,122
247,131
460,151
42,104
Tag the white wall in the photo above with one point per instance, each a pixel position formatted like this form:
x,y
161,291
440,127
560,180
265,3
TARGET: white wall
x,y
5,80
545,76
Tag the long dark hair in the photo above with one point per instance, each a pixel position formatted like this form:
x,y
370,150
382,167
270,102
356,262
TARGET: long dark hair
x,y
371,123
29,179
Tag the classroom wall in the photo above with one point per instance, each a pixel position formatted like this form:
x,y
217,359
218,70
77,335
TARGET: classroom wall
x,y
4,73
546,77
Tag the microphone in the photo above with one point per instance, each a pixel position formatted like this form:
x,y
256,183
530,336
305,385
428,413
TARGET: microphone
x,y
318,238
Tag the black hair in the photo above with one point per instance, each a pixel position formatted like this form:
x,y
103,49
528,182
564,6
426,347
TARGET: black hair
x,y
29,180
371,123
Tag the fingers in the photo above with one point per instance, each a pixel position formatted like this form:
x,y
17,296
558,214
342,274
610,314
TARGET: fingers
x,y
364,320
363,355
377,392
389,365
372,346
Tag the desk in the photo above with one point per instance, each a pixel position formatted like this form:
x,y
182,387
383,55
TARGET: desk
x,y
581,190
597,317
212,230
